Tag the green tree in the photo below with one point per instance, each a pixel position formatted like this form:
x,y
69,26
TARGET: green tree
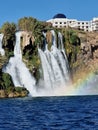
x,y
26,23
72,44
5,81
8,29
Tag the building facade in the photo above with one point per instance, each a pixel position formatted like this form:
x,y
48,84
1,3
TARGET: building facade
x,y
94,25
60,21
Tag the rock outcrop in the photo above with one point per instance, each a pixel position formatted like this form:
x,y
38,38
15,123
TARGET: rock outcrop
x,y
26,39
13,94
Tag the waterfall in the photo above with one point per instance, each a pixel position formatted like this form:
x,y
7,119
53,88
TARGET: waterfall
x,y
18,70
54,64
64,63
17,49
53,38
47,71
2,52
55,71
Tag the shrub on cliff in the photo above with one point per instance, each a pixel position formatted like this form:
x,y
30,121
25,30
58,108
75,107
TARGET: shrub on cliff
x,y
5,81
72,44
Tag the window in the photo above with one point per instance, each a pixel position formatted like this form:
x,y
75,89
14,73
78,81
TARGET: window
x,y
56,22
60,26
60,22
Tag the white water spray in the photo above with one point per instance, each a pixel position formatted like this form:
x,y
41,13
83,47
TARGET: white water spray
x,y
2,52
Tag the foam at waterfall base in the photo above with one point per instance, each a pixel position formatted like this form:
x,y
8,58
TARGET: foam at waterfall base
x,y
67,90
89,86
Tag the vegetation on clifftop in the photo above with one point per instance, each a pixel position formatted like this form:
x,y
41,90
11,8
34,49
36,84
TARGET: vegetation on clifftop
x,y
33,25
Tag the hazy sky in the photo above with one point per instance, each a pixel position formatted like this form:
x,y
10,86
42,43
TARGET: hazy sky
x,y
13,10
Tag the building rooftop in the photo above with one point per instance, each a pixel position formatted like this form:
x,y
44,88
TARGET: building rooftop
x,y
59,16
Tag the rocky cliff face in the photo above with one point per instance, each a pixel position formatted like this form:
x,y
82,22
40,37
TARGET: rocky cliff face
x,y
26,38
87,61
89,44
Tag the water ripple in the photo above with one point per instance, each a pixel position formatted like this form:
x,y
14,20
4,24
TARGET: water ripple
x,y
53,113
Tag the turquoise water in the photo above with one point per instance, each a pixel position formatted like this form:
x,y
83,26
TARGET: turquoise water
x,y
53,113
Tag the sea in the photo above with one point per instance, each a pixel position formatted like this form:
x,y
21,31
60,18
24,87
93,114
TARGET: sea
x,y
49,113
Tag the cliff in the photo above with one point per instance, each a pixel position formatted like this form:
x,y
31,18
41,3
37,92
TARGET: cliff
x,y
81,49
87,61
83,55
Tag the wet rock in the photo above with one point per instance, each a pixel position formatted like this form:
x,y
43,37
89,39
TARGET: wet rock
x,y
2,94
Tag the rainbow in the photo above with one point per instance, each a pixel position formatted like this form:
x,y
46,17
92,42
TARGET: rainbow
x,y
87,86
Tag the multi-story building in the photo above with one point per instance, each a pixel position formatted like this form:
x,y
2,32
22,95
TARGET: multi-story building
x,y
81,25
94,24
60,20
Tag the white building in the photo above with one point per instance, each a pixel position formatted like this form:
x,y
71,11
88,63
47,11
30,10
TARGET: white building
x,y
60,20
94,24
81,25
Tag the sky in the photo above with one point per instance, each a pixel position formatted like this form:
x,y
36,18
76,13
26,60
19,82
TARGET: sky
x,y
13,10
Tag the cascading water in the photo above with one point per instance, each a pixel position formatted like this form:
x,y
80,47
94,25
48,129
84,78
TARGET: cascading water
x,y
54,65
2,52
18,70
54,68
53,38
62,56
47,71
